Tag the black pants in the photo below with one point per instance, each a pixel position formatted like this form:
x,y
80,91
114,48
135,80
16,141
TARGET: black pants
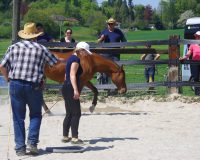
x,y
73,111
195,71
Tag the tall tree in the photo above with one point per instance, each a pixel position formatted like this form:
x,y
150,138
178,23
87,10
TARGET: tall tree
x,y
67,4
124,13
5,4
131,12
183,5
76,3
139,10
172,14
148,12
111,2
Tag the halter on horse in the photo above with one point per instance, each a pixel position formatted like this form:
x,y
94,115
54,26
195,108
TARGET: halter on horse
x,y
90,64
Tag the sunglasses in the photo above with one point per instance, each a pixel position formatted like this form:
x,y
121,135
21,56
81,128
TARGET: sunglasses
x,y
110,24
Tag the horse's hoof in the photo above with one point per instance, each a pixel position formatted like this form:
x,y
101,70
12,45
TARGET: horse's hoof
x,y
92,108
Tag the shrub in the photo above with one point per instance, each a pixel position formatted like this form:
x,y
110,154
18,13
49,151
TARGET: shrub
x,y
5,31
38,16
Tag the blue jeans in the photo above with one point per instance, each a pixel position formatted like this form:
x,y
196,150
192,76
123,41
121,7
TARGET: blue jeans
x,y
149,72
24,93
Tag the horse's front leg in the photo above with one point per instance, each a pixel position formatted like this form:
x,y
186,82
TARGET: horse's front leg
x,y
46,109
95,91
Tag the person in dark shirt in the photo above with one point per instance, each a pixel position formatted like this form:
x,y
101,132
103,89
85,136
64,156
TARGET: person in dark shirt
x,y
68,36
149,70
71,93
43,37
110,35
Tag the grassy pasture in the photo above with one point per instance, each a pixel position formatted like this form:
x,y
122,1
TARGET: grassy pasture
x,y
153,34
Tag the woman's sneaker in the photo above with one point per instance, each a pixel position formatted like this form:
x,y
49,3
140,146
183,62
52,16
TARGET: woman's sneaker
x,y
77,141
66,139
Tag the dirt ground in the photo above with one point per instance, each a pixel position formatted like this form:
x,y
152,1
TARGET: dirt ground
x,y
120,129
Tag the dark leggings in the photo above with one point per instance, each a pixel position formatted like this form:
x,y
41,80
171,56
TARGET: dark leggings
x,y
73,111
195,70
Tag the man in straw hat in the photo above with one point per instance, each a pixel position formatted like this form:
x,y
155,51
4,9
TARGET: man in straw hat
x,y
23,66
194,54
110,35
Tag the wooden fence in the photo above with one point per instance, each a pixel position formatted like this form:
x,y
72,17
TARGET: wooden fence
x,y
174,78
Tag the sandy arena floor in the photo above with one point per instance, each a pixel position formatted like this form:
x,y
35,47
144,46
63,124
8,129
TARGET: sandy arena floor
x,y
119,129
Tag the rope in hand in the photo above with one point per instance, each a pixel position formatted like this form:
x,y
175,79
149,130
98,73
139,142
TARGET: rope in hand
x,y
50,108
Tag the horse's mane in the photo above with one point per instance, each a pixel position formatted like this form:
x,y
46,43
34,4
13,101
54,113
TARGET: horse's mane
x,y
86,63
98,58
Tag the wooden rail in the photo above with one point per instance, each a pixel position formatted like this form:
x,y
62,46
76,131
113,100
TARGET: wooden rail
x,y
174,82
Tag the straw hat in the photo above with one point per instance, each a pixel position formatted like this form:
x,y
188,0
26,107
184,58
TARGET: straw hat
x,y
29,31
111,20
83,45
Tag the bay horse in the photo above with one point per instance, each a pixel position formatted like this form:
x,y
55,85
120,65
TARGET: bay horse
x,y
91,64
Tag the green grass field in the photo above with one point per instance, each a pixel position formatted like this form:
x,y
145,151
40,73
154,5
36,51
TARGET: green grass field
x,y
134,73
153,34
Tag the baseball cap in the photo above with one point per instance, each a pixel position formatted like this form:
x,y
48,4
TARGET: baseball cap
x,y
83,45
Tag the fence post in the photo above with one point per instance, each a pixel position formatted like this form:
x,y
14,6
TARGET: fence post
x,y
174,69
16,19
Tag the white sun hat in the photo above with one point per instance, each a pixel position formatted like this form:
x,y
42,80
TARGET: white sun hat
x,y
83,45
197,33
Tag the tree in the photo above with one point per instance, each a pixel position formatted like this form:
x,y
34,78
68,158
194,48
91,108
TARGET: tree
x,y
139,10
183,5
124,13
111,2
5,4
157,21
172,14
148,12
23,8
76,3
131,12
168,13
43,17
184,16
97,24
197,9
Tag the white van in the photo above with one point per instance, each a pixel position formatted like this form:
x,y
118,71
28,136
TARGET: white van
x,y
191,27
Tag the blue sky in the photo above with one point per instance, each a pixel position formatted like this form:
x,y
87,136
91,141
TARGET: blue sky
x,y
153,3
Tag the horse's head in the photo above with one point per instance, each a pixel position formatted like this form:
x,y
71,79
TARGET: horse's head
x,y
118,78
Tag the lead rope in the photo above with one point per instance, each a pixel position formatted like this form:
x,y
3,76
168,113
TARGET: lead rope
x,y
50,108
9,125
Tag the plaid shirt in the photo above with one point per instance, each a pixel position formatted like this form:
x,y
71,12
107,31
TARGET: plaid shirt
x,y
26,60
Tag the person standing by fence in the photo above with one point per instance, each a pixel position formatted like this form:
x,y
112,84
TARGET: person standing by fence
x,y
68,36
23,66
194,51
44,37
149,70
110,35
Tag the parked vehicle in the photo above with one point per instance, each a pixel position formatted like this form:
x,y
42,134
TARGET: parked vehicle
x,y
191,27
